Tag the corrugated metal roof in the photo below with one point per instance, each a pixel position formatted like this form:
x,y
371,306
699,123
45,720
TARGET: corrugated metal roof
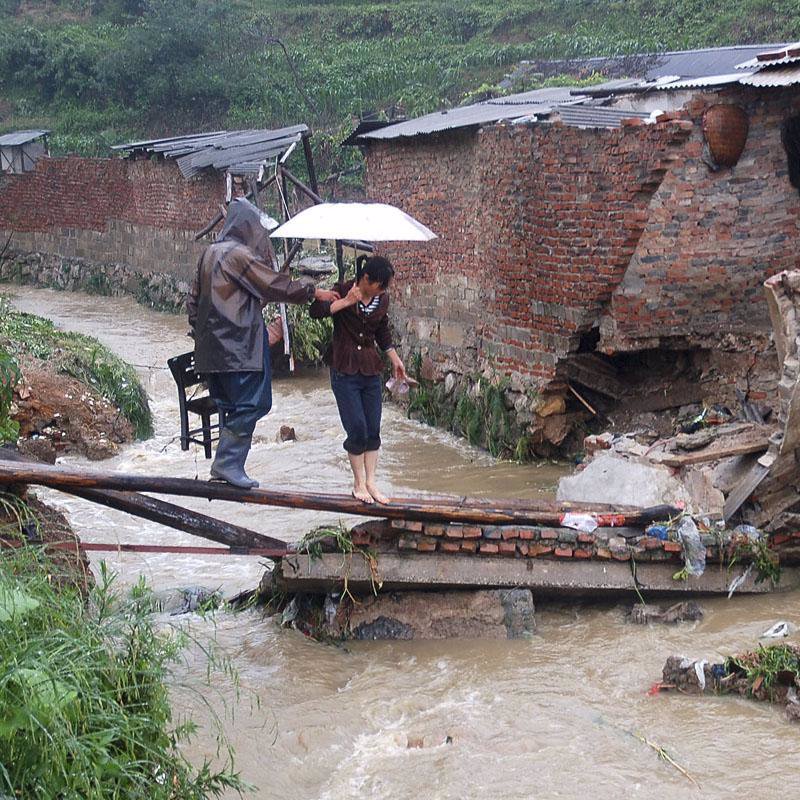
x,y
453,118
595,116
777,54
237,151
526,104
777,76
675,70
555,94
699,83
21,137
703,63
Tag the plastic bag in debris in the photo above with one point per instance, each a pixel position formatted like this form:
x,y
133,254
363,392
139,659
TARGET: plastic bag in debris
x,y
330,609
739,580
753,534
777,631
700,671
579,522
694,551
658,532
290,613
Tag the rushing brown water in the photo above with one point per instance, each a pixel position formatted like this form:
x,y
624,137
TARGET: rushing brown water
x,y
552,717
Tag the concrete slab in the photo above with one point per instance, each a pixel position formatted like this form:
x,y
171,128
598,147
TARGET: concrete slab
x,y
302,573
609,478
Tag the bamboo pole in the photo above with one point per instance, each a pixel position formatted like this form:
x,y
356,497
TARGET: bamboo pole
x,y
60,477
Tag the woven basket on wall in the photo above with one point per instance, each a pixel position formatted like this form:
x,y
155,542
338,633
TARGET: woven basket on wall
x,y
725,127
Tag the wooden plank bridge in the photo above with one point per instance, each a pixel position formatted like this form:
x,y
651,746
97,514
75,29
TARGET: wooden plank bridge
x,y
123,491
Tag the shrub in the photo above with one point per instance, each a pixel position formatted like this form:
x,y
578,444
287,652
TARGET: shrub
x,y
84,701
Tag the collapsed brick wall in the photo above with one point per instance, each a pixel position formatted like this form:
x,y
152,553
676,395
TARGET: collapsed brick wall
x,y
711,240
141,214
549,232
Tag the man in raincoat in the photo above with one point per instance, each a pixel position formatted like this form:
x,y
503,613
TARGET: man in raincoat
x,y
234,280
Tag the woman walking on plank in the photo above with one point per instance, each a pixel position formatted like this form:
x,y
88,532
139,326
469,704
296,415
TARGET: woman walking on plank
x,y
360,327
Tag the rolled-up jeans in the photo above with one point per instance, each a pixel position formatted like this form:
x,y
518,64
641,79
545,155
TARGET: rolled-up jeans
x,y
242,398
359,398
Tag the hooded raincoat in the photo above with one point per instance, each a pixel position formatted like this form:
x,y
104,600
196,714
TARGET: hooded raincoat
x,y
234,280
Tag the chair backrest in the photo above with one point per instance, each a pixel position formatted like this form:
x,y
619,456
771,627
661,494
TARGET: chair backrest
x,y
183,370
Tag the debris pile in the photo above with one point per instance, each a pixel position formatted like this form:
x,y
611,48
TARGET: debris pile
x,y
770,674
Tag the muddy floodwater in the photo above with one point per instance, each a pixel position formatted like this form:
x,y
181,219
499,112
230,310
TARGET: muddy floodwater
x,y
550,717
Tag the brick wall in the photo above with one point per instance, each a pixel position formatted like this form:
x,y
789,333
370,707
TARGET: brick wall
x,y
549,232
536,226
142,214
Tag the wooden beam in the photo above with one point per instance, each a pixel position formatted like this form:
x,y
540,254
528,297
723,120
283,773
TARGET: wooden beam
x,y
182,519
61,477
123,547
220,215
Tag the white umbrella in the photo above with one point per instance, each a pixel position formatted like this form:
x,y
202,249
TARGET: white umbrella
x,y
369,222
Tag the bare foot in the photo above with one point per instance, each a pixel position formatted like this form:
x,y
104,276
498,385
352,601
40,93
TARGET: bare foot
x,y
363,495
377,495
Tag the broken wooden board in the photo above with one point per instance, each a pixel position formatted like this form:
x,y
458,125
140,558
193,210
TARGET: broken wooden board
x,y
743,490
755,445
595,372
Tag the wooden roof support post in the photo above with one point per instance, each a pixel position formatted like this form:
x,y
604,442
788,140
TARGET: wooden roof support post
x,y
312,172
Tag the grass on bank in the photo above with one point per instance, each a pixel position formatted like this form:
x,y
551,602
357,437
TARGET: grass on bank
x,y
84,701
73,354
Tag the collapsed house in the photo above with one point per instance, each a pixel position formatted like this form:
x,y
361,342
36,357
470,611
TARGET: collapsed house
x,y
603,247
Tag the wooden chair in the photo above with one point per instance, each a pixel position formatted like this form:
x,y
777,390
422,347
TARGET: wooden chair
x,y
183,371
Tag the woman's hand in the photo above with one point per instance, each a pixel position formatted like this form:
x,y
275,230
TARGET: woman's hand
x,y
354,295
326,295
398,368
350,299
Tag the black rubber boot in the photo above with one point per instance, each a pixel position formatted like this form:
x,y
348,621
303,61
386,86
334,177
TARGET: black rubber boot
x,y
228,464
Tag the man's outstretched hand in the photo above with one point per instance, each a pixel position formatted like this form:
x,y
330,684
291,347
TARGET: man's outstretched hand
x,y
326,295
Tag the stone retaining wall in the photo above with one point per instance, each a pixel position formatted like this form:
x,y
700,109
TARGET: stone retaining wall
x,y
107,225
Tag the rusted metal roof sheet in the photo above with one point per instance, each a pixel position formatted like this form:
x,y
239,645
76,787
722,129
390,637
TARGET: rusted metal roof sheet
x,y
583,116
237,151
21,137
777,76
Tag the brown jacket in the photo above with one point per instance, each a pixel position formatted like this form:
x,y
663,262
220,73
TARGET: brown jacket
x,y
234,280
356,334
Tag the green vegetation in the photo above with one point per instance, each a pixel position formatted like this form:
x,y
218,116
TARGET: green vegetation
x,y
339,539
767,667
84,700
309,337
9,375
100,71
79,356
477,412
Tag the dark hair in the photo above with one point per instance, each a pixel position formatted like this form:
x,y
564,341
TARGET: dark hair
x,y
377,268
